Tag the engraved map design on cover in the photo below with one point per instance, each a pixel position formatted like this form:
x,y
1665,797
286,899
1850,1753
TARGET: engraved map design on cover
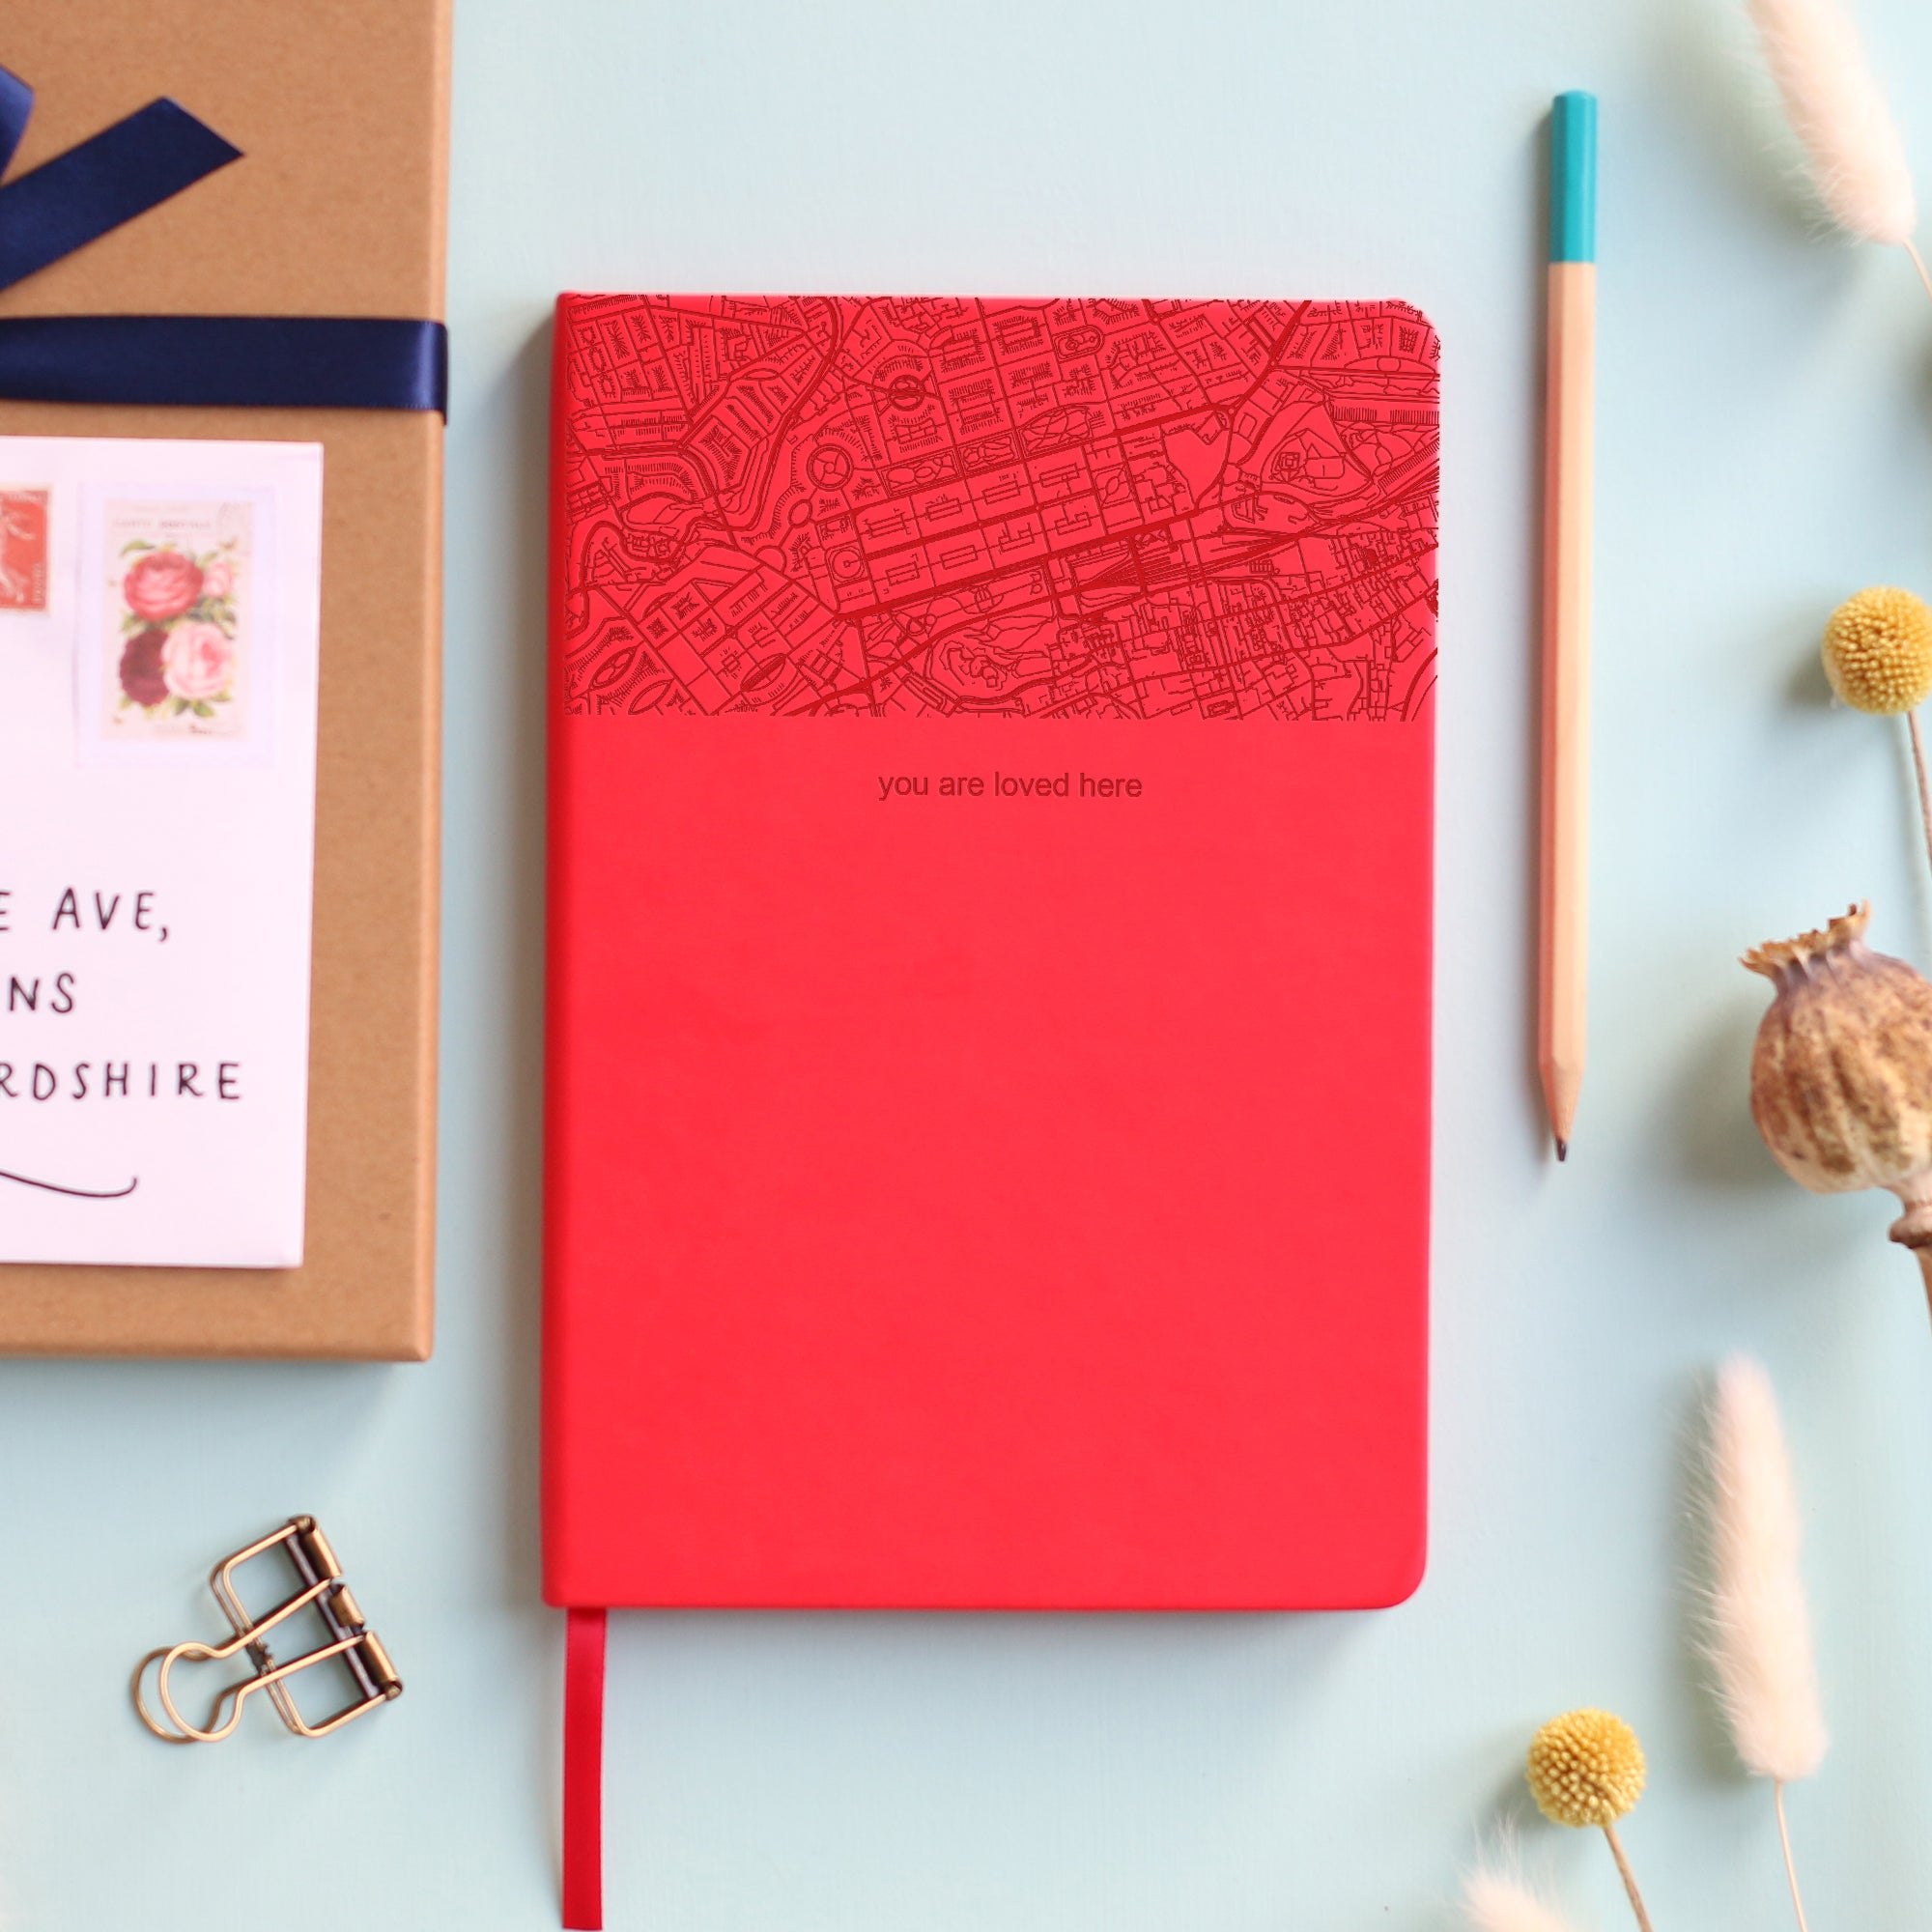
x,y
900,506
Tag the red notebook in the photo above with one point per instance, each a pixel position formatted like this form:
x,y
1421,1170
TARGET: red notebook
x,y
987,1117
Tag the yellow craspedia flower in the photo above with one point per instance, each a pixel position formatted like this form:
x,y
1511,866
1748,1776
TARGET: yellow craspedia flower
x,y
1877,651
1585,1768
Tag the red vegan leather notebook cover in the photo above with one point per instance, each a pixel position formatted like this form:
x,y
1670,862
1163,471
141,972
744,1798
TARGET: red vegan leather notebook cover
x,y
987,1115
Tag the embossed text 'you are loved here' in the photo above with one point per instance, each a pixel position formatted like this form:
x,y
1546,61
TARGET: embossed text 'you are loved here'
x,y
998,784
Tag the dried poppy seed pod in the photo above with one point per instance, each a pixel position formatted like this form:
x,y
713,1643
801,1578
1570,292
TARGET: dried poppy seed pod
x,y
1841,1076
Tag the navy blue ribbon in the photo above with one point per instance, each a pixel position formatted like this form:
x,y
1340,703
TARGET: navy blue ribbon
x,y
238,361
245,362
16,109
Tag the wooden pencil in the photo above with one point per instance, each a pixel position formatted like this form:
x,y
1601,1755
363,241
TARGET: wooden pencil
x,y
1569,432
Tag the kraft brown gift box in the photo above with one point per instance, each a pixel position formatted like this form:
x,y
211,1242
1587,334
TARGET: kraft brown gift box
x,y
336,208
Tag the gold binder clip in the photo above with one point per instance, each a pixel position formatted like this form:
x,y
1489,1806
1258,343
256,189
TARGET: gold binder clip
x,y
319,1577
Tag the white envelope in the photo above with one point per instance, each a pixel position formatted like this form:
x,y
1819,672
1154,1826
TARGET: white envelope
x,y
159,629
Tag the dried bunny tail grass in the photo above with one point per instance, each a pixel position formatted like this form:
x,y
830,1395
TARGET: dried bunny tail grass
x,y
1760,1639
1499,1900
1760,1625
1838,112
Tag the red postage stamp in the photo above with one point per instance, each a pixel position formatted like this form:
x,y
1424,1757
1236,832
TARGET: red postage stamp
x,y
23,550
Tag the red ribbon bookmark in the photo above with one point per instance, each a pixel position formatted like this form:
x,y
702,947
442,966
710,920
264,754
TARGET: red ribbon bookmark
x,y
584,1771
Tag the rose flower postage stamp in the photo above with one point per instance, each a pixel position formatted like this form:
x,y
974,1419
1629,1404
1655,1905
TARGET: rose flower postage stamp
x,y
175,618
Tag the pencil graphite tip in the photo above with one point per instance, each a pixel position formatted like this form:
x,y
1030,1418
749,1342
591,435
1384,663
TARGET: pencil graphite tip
x,y
1561,1079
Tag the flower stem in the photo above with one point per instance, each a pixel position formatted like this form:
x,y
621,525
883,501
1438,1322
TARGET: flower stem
x,y
1790,1869
1919,263
1628,1878
1925,788
1912,718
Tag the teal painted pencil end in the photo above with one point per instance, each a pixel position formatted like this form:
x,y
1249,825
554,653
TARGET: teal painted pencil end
x,y
1572,177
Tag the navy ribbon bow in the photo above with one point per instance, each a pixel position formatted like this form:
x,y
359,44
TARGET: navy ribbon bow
x,y
245,362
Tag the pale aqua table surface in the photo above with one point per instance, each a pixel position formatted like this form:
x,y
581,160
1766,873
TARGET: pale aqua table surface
x,y
1764,449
